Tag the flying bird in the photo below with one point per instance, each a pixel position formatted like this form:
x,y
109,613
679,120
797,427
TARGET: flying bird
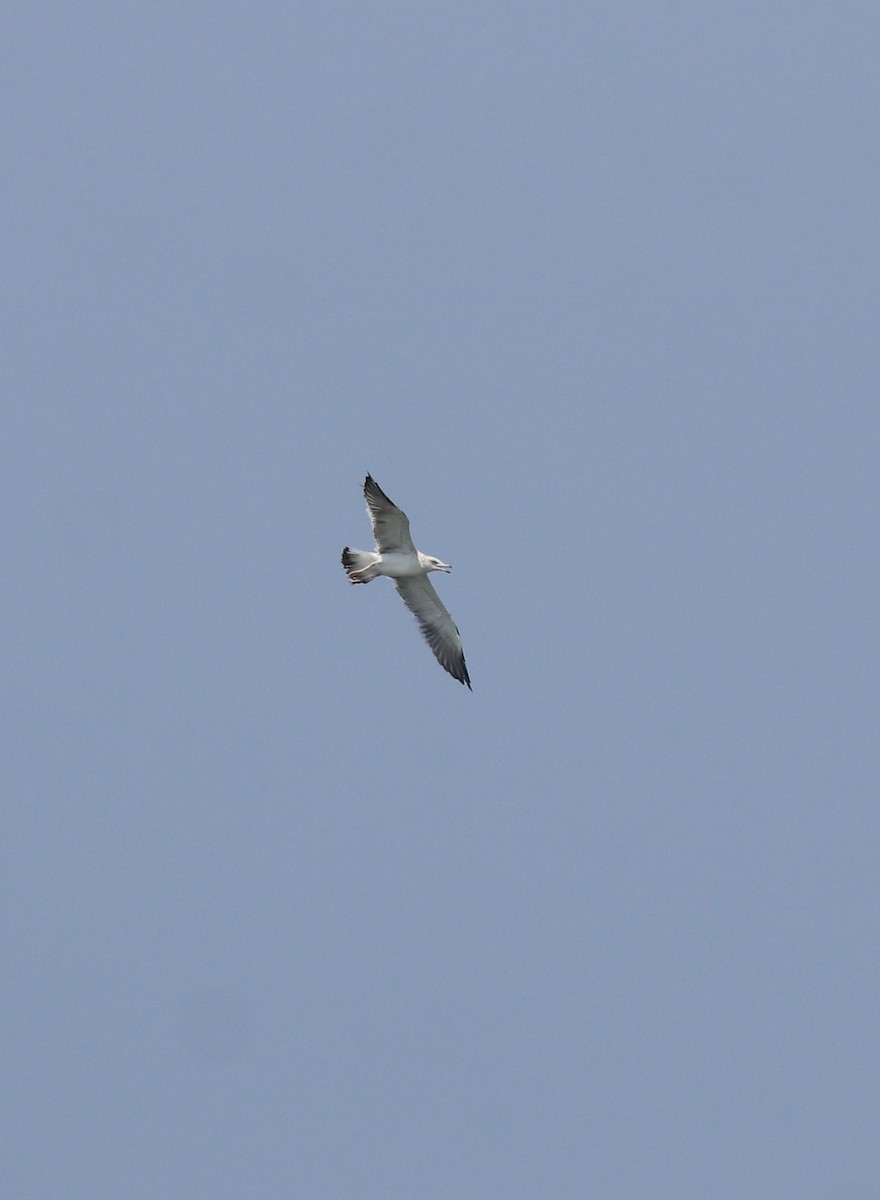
x,y
396,556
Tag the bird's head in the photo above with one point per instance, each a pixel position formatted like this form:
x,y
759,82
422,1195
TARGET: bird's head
x,y
436,564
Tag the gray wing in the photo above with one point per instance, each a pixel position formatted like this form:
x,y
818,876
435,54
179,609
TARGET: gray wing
x,y
390,525
439,630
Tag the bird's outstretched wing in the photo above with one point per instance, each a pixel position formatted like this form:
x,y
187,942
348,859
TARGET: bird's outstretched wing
x,y
439,630
390,524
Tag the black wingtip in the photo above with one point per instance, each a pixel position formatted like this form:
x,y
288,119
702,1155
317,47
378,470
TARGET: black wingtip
x,y
372,491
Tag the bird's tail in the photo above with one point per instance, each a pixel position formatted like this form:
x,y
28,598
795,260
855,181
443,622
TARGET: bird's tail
x,y
360,565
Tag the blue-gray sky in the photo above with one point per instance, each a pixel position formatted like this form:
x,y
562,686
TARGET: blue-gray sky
x,y
592,291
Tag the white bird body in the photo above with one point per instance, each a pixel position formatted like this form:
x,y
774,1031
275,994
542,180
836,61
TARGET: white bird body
x,y
396,556
400,565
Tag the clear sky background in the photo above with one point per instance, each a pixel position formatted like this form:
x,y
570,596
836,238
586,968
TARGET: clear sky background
x,y
592,290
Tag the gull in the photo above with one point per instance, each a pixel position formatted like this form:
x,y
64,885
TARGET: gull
x,y
396,556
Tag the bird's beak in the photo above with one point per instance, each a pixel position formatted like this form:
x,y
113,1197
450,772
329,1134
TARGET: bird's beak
x,y
447,567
